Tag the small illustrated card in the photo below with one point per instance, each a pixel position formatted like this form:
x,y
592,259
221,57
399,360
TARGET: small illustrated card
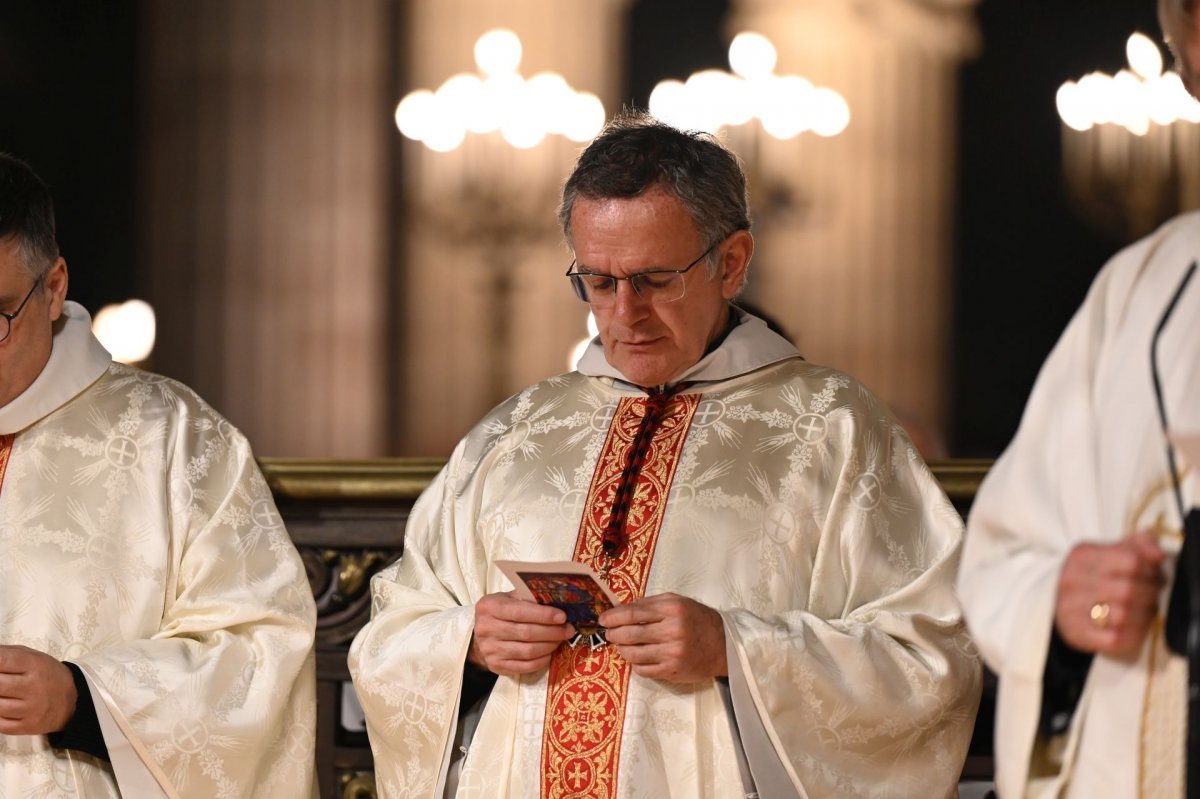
x,y
573,587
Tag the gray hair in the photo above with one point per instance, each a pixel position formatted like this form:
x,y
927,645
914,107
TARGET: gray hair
x,y
27,215
636,152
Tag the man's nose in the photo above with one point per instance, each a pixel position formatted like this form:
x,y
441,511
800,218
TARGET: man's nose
x,y
629,305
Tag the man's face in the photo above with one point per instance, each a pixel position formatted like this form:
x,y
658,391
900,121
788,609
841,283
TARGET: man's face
x,y
24,353
653,343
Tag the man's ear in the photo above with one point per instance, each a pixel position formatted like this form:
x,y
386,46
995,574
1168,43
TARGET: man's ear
x,y
55,283
735,260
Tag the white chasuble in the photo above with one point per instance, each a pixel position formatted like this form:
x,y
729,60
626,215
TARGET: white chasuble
x,y
142,543
782,494
1089,464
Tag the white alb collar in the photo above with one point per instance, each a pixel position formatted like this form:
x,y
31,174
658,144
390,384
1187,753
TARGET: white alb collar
x,y
749,346
76,361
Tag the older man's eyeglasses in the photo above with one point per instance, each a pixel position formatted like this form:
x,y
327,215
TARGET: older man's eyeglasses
x,y
6,319
654,285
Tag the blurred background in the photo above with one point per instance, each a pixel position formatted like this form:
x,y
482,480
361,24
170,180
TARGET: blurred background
x,y
345,275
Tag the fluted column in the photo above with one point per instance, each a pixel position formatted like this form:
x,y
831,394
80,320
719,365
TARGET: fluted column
x,y
484,307
855,232
263,234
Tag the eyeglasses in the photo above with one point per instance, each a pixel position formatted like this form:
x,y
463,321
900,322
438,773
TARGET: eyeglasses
x,y
6,324
654,285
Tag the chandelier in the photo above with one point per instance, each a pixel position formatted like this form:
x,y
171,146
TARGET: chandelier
x,y
785,105
1131,143
498,98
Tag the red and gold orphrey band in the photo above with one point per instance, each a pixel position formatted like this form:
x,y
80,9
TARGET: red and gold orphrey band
x,y
6,444
587,690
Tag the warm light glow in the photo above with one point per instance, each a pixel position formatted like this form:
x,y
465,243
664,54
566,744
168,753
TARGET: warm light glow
x,y
498,52
667,99
752,55
527,127
580,347
577,352
1070,107
443,136
787,110
524,112
127,330
413,113
705,94
500,94
786,105
586,119
1144,56
831,114
1134,98
550,95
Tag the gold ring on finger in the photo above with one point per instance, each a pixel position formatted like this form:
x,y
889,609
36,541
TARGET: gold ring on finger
x,y
1099,614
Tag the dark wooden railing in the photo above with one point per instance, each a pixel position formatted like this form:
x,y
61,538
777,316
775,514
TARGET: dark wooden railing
x,y
347,520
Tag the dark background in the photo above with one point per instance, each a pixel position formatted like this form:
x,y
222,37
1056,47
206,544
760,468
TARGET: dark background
x,y
1024,259
68,105
69,82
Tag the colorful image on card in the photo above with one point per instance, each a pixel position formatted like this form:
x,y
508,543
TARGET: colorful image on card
x,y
578,595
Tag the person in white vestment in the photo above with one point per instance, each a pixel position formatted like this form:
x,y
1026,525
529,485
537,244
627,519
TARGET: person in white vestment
x,y
156,624
1072,536
783,558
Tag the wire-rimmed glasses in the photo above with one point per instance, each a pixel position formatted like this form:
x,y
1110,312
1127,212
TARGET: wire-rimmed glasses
x,y
654,285
6,319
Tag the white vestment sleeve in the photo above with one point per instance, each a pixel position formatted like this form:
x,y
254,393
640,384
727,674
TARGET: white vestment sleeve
x,y
771,776
136,772
875,683
224,692
407,662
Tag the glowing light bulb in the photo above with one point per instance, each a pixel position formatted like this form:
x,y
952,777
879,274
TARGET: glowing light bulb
x,y
498,52
831,114
1144,56
412,114
752,55
1071,107
586,118
127,330
667,101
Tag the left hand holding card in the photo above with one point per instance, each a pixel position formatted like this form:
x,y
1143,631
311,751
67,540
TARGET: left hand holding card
x,y
513,636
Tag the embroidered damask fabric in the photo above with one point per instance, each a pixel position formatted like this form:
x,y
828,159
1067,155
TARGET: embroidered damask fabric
x,y
142,543
786,497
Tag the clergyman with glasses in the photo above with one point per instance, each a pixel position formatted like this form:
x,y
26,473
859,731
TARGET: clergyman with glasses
x,y
156,626
780,559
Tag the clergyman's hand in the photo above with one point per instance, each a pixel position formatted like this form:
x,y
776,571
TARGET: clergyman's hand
x,y
516,636
37,694
669,637
1108,595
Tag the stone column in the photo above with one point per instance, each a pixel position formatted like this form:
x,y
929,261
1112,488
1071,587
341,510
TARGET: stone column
x,y
263,228
484,307
855,232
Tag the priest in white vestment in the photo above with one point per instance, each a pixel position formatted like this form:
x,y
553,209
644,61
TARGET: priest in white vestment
x,y
1086,483
156,626
1088,473
1072,537
783,557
